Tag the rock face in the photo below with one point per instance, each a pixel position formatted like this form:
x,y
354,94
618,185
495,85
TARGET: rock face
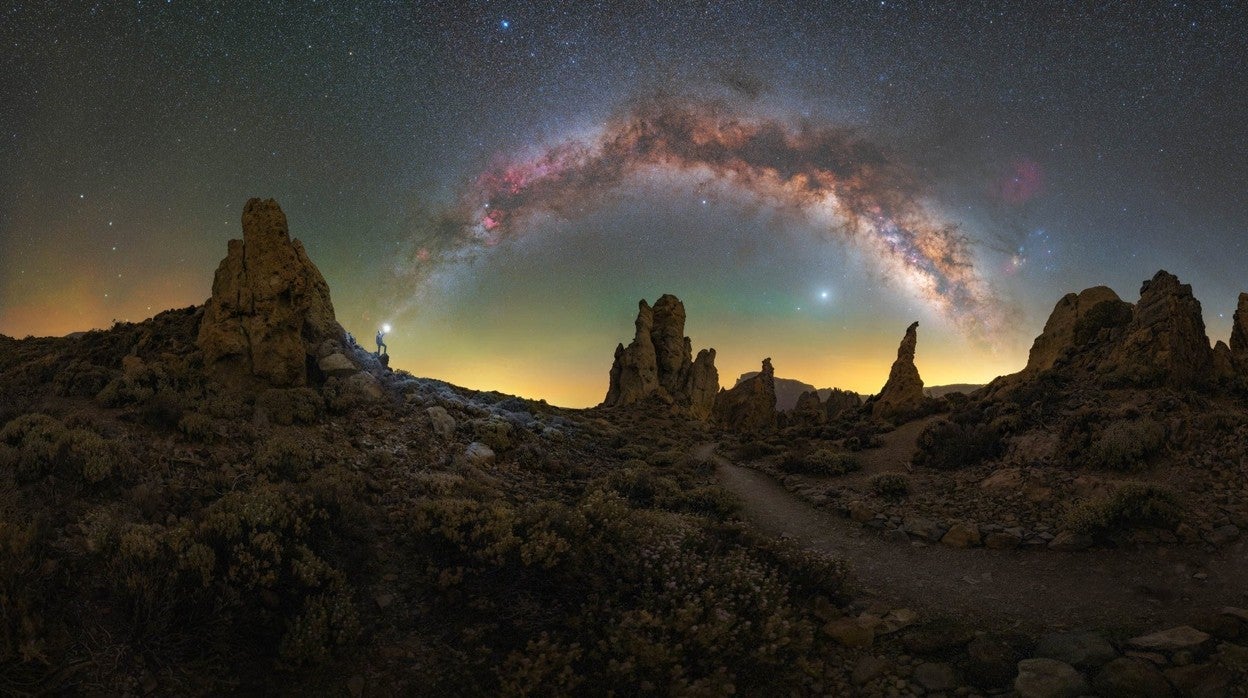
x,y
659,362
1059,332
904,389
1239,334
1165,342
808,410
839,401
751,404
270,308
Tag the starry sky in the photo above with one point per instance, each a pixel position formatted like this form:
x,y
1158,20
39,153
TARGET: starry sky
x,y
502,181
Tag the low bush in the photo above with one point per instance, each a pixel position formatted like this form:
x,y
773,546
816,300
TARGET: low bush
x,y
949,445
1126,445
890,485
1130,506
819,462
287,406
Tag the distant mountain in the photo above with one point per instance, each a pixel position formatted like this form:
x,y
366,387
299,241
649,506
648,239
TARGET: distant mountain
x,y
788,390
943,390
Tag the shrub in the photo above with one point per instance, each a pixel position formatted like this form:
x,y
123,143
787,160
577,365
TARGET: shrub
x,y
890,485
284,458
1132,505
1126,445
40,442
946,445
286,406
94,457
819,462
197,427
162,410
753,450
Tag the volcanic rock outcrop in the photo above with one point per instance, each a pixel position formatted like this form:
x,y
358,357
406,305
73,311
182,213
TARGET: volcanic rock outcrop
x,y
751,404
1239,334
838,401
659,363
1165,341
904,389
1059,332
270,314
808,410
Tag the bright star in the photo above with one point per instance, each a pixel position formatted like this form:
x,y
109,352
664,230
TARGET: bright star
x,y
505,24
823,295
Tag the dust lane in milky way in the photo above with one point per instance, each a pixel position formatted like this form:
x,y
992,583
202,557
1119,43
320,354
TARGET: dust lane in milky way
x,y
845,186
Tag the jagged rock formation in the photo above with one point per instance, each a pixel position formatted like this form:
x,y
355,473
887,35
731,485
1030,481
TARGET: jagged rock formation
x,y
838,401
659,363
1058,336
1239,335
904,389
788,390
751,404
1165,341
270,315
809,410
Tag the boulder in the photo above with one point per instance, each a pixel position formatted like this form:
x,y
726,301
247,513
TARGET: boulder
x,y
442,422
1183,637
478,455
935,676
659,363
751,405
337,365
270,307
961,535
1085,650
1049,678
1126,677
904,389
1058,336
1165,342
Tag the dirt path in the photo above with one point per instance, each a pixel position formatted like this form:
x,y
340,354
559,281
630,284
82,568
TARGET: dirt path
x,y
1131,590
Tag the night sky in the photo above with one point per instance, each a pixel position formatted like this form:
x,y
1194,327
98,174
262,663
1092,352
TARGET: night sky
x,y
502,181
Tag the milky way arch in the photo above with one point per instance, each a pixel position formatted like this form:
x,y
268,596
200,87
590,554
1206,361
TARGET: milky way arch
x,y
847,187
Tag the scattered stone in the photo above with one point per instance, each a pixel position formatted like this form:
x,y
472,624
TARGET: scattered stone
x,y
1085,650
442,422
384,600
1233,657
868,669
896,535
1003,482
961,535
1183,637
1049,678
1069,541
935,676
1223,535
1200,680
478,454
993,661
896,619
1002,540
924,529
860,511
936,637
850,632
1130,678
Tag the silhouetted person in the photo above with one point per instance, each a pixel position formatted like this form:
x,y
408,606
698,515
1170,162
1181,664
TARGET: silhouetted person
x,y
381,343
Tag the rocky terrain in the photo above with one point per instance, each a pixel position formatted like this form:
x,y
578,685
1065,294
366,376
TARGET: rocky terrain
x,y
236,497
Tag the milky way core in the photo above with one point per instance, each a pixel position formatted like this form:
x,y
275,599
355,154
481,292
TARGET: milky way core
x,y
845,187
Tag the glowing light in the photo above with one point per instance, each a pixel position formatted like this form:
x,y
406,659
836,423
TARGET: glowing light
x,y
385,328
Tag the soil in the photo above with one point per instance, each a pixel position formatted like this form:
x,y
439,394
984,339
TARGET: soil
x,y
1126,590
